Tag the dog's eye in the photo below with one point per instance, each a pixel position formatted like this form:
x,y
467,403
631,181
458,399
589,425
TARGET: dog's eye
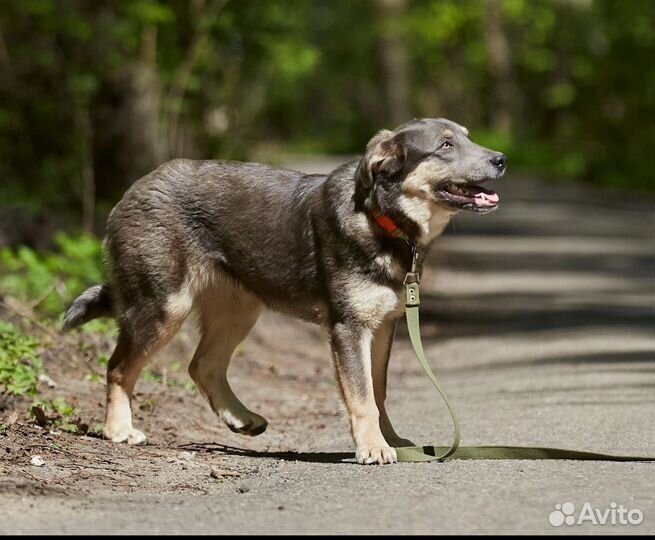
x,y
446,145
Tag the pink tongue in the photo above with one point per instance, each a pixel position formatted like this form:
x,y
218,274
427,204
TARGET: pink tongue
x,y
482,196
488,198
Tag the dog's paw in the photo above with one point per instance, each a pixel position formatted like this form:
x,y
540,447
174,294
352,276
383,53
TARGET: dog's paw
x,y
252,424
382,455
126,434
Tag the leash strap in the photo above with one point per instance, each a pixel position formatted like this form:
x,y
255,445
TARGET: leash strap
x,y
412,302
454,451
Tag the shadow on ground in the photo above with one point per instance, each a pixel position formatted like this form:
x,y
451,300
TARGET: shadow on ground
x,y
306,457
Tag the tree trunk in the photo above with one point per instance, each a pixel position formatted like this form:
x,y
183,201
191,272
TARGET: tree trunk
x,y
85,136
126,116
172,132
394,59
505,96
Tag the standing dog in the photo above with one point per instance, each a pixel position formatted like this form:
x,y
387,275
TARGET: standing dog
x,y
228,239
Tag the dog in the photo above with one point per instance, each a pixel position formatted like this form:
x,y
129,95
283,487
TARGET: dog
x,y
227,239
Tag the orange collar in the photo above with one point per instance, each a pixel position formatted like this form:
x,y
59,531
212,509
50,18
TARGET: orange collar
x,y
389,225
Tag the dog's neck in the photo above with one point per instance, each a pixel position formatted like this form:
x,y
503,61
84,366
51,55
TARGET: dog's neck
x,y
418,222
388,225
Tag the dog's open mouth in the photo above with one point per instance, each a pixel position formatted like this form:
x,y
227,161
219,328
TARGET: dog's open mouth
x,y
469,197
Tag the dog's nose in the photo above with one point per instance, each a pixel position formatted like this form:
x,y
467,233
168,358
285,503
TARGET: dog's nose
x,y
499,160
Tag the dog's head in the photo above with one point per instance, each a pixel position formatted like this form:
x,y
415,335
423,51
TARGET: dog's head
x,y
432,160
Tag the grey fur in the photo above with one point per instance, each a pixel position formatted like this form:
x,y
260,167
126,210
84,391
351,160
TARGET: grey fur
x,y
93,303
240,236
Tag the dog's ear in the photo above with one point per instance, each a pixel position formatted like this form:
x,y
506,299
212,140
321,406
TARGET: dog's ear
x,y
385,155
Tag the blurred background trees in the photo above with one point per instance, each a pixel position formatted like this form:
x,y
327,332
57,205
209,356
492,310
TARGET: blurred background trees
x,y
93,94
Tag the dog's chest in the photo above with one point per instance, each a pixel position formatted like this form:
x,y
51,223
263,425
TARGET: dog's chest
x,y
370,302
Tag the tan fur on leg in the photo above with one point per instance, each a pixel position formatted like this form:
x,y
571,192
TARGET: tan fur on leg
x,y
125,365
352,359
227,314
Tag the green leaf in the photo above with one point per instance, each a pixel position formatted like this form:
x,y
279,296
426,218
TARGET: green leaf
x,y
19,364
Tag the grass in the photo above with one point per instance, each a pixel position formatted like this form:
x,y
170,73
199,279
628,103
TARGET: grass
x,y
20,368
20,364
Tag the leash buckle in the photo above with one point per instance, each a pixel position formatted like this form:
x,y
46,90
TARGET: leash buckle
x,y
413,247
412,293
412,277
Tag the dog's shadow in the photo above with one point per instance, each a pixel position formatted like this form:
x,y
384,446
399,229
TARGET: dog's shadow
x,y
305,457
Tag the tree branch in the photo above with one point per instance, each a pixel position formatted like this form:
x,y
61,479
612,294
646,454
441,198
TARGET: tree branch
x,y
175,97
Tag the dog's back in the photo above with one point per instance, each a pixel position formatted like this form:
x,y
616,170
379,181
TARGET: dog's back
x,y
189,222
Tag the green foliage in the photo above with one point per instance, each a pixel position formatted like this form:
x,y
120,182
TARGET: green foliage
x,y
57,413
95,378
149,12
150,376
50,281
103,360
106,327
310,75
532,155
20,365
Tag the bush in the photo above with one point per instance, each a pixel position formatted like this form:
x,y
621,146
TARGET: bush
x,y
49,281
20,365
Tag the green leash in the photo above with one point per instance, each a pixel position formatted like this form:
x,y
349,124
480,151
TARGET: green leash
x,y
455,451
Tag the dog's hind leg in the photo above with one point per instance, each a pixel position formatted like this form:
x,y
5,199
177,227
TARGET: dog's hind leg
x,y
382,341
144,330
227,314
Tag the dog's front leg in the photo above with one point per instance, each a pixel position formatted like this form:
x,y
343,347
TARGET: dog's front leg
x,y
382,341
351,347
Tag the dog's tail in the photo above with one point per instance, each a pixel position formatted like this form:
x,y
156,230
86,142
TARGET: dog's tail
x,y
95,302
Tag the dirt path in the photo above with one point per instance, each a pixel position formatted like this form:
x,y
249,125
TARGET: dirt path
x,y
539,319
